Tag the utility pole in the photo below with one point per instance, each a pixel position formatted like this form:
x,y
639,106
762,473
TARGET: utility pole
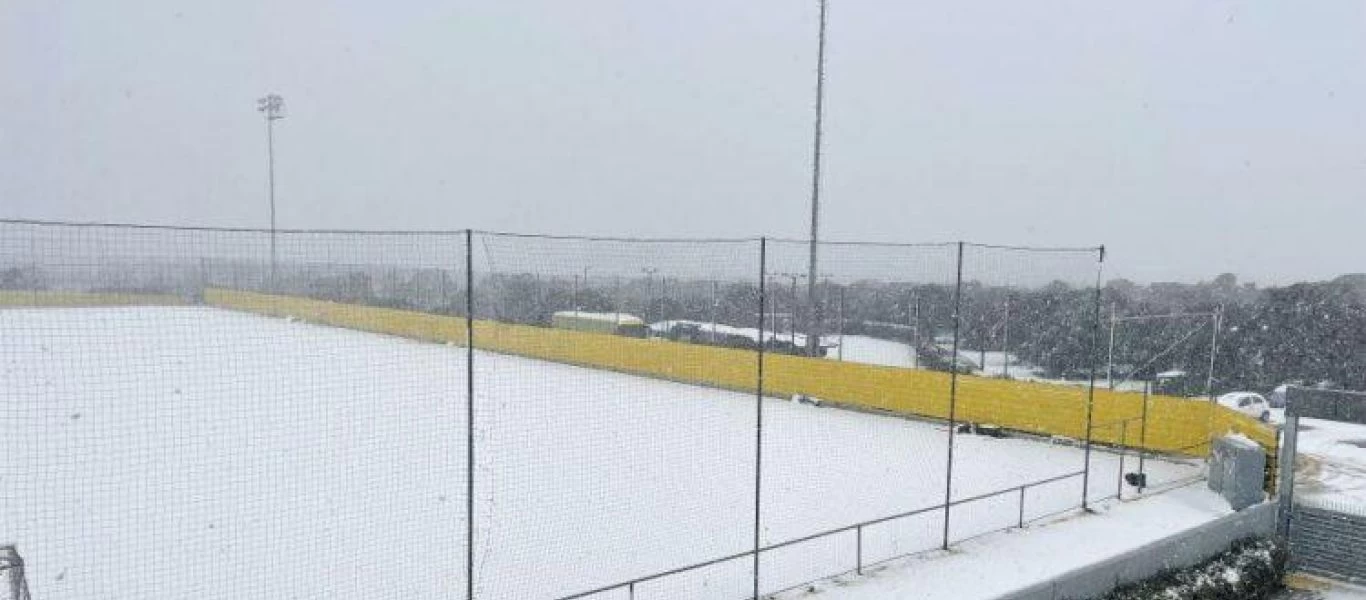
x,y
915,329
841,352
1216,323
649,288
272,106
982,354
792,315
813,326
574,296
715,305
1005,342
1110,358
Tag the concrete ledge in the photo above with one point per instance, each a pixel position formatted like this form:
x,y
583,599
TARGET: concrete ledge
x,y
1184,549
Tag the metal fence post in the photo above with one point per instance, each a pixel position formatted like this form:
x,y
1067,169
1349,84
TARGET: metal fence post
x,y
1285,463
1022,499
1123,449
953,392
858,549
469,414
1091,387
1143,439
759,412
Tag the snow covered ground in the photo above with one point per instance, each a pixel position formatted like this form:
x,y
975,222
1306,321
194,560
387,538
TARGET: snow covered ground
x,y
1331,468
1305,587
185,452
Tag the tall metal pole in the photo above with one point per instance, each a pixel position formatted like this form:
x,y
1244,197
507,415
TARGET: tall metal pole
x,y
715,304
1285,463
982,356
1209,378
1005,342
813,325
272,106
574,296
759,414
1143,435
270,153
1110,356
1091,387
915,328
1213,349
649,288
469,414
953,392
841,353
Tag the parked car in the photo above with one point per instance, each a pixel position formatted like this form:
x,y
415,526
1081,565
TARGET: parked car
x,y
1277,396
1248,403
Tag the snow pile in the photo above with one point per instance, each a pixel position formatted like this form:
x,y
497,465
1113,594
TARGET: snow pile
x,y
1250,570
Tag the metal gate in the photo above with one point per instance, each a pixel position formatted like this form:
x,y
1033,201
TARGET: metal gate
x,y
1325,519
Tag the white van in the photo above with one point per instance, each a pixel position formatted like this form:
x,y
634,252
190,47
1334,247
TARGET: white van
x,y
1248,403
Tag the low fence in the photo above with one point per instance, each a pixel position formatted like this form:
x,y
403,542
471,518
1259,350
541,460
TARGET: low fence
x,y
1325,523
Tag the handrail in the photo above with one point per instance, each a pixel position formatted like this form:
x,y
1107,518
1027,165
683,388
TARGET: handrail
x,y
856,527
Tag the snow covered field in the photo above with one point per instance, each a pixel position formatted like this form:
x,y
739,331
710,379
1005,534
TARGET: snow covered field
x,y
196,453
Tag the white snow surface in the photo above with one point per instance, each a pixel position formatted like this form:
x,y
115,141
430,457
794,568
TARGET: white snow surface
x,y
997,564
187,452
1331,468
1343,592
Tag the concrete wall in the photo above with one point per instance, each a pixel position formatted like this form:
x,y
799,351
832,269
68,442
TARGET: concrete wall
x,y
1181,550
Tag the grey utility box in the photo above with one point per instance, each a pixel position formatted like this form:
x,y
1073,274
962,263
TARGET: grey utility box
x,y
1236,471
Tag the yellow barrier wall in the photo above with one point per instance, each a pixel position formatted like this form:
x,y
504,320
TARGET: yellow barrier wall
x,y
1176,425
21,298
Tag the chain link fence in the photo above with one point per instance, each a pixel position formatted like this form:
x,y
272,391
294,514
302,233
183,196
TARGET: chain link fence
x,y
214,413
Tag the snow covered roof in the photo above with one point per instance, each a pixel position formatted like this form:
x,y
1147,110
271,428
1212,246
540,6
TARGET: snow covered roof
x,y
618,318
729,330
1172,374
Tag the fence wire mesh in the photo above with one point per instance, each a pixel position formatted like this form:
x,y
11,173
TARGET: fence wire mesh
x,y
220,413
639,458
170,440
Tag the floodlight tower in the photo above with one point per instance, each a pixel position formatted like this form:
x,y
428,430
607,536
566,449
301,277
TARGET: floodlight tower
x,y
272,106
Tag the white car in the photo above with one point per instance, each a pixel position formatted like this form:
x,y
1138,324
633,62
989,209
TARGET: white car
x,y
1248,403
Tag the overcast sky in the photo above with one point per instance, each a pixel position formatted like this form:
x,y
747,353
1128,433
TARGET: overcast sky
x,y
1192,137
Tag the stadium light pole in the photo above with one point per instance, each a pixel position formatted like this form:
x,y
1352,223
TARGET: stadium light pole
x,y
272,106
813,325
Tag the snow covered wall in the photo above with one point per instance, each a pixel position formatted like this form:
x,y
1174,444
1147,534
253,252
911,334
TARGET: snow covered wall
x,y
1174,425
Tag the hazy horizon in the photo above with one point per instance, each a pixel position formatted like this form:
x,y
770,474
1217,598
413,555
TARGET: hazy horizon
x,y
1190,139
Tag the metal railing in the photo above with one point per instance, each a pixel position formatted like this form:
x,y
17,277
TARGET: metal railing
x,y
857,528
